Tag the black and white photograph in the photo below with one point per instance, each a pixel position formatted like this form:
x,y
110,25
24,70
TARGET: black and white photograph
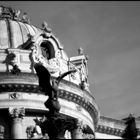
x,y
69,69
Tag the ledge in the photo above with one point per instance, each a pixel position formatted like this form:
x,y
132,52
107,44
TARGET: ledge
x,y
27,82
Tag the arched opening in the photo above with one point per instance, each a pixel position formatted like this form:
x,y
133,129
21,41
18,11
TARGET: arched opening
x,y
47,50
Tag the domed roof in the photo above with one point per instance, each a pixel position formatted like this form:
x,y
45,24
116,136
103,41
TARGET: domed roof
x,y
14,31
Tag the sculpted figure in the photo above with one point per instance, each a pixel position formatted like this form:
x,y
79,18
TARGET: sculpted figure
x,y
130,132
50,87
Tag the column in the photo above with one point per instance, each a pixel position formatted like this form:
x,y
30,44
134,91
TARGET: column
x,y
2,129
16,122
76,132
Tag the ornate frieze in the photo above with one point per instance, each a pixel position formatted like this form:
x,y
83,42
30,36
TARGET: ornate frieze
x,y
81,102
109,130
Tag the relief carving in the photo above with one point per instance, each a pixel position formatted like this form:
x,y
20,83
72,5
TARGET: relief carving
x,y
15,95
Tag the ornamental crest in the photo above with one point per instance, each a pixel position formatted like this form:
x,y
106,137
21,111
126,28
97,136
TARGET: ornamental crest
x,y
43,52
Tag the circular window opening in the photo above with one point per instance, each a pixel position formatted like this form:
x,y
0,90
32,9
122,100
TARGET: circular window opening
x,y
47,50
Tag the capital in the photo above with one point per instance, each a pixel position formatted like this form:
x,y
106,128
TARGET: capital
x,y
16,112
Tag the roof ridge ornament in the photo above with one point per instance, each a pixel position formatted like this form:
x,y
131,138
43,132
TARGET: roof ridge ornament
x,y
25,18
8,12
45,27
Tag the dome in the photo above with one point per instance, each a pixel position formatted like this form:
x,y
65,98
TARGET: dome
x,y
14,33
22,46
13,30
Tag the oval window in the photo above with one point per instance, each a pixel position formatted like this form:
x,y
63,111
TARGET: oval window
x,y
47,50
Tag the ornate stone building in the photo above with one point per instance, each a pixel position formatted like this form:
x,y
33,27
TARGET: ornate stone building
x,y
109,128
23,110
22,101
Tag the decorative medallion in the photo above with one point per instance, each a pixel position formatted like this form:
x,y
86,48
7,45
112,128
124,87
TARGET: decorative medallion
x,y
15,95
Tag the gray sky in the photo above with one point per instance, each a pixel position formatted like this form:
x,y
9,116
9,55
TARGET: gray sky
x,y
109,32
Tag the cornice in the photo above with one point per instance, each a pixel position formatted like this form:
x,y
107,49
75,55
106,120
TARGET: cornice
x,y
26,82
102,128
109,130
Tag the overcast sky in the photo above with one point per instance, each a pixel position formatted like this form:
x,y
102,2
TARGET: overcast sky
x,y
109,32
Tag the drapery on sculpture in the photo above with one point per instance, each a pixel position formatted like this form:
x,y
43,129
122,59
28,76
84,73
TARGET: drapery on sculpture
x,y
53,125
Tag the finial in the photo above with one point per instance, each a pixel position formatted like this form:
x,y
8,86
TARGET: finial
x,y
17,13
25,18
45,27
80,51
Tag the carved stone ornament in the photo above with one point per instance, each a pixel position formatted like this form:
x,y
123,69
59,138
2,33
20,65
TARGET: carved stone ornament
x,y
34,132
14,95
25,18
79,108
8,12
80,51
11,60
16,112
45,27
52,65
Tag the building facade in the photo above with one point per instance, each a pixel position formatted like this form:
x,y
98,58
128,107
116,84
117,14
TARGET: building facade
x,y
23,113
22,106
109,128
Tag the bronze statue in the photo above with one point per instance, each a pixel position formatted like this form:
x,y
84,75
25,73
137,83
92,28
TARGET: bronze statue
x,y
49,86
54,124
